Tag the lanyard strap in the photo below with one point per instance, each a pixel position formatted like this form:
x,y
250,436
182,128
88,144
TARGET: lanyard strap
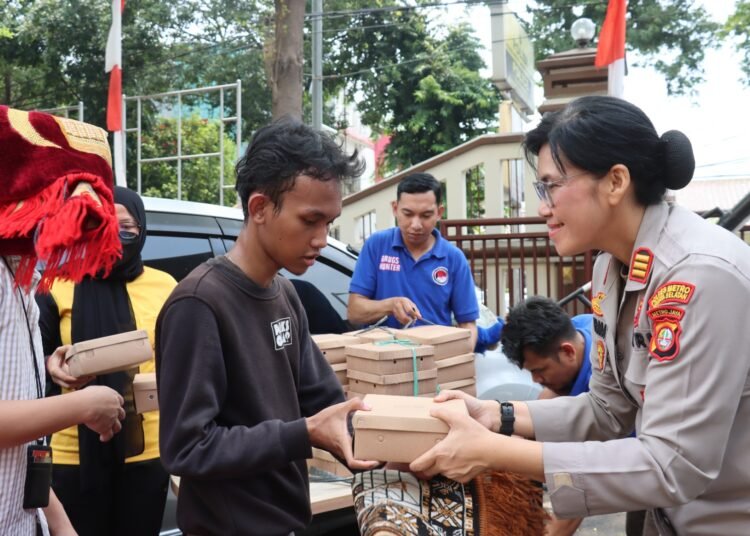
x,y
37,376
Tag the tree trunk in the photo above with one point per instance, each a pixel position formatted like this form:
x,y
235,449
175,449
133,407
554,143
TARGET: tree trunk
x,y
8,80
284,60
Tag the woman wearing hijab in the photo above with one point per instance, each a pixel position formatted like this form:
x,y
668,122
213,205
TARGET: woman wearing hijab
x,y
116,488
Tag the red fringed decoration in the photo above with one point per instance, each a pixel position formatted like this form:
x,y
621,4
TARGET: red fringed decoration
x,y
42,160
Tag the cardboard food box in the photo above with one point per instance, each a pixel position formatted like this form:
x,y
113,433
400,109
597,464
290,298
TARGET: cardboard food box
x,y
386,358
109,354
468,385
398,428
324,460
376,334
354,394
333,345
340,370
392,384
144,392
455,368
447,340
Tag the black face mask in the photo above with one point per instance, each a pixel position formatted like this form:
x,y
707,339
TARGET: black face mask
x,y
130,248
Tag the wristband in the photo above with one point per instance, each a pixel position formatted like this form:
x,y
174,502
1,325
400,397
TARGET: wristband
x,y
507,418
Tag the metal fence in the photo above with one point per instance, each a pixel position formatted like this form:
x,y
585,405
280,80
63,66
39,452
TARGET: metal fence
x,y
66,111
180,157
513,259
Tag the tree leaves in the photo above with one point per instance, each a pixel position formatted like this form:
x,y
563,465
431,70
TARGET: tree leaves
x,y
671,36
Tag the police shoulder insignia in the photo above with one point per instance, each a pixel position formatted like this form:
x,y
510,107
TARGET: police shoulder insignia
x,y
671,292
640,265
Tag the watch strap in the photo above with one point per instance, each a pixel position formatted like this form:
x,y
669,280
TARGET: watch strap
x,y
507,418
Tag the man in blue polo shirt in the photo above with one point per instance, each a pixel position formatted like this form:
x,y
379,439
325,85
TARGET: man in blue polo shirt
x,y
410,272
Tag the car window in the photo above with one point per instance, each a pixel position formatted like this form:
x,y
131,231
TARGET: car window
x,y
331,282
176,255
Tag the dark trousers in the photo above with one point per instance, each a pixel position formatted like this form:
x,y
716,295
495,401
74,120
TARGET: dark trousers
x,y
130,501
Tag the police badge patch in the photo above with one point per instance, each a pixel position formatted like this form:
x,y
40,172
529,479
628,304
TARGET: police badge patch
x,y
665,342
601,353
666,318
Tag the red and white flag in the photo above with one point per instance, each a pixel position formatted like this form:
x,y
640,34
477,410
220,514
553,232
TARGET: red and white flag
x,y
113,66
611,48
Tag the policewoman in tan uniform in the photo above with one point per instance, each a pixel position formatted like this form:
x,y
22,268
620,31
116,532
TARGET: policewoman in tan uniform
x,y
671,342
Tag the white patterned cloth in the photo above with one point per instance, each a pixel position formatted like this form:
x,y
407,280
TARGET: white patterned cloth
x,y
17,382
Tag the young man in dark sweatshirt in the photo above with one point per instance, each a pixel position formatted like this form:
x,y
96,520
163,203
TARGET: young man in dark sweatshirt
x,y
243,391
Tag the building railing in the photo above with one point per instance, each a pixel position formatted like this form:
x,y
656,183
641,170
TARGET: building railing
x,y
513,259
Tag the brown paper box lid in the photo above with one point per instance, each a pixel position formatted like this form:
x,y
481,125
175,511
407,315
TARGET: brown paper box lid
x,y
326,341
456,360
457,384
385,352
407,413
435,334
144,381
376,334
103,342
338,367
390,379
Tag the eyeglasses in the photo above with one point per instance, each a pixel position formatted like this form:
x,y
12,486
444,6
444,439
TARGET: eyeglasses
x,y
544,188
129,230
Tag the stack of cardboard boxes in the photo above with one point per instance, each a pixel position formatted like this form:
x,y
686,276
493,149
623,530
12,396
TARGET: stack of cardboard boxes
x,y
391,367
454,355
333,347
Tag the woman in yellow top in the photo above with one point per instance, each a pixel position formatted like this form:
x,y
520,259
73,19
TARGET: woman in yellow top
x,y
120,487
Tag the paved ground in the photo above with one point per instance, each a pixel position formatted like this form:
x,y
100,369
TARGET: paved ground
x,y
611,525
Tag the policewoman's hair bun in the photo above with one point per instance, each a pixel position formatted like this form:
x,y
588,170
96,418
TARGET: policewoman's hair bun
x,y
679,161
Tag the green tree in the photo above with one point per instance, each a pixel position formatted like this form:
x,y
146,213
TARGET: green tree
x,y
412,81
670,36
737,27
200,176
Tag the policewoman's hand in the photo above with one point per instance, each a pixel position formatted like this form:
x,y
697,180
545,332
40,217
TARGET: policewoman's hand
x,y
462,454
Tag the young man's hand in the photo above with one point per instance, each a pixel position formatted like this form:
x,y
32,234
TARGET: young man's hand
x,y
60,373
328,430
103,411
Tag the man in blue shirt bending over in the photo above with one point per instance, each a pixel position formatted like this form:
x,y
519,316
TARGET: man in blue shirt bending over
x,y
410,272
540,337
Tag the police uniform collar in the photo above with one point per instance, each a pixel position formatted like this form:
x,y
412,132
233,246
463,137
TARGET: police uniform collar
x,y
642,258
437,250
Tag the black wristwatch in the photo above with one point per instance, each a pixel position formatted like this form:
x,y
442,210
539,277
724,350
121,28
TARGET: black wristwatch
x,y
507,418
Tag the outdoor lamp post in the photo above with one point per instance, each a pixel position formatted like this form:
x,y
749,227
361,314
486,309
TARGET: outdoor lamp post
x,y
582,31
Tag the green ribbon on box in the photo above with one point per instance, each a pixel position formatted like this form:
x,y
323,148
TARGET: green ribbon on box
x,y
413,345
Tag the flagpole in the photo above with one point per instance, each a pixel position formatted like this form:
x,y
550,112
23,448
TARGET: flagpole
x,y
611,48
113,65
